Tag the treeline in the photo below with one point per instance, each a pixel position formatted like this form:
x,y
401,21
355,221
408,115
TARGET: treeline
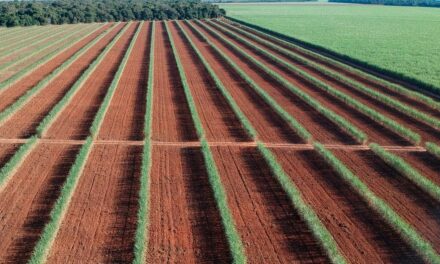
x,y
431,3
27,13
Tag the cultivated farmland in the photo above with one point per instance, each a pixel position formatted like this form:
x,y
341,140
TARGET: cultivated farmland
x,y
209,141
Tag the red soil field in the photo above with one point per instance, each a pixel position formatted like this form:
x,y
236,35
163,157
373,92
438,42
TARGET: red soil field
x,y
426,163
75,120
11,94
184,223
171,116
27,199
24,122
125,116
101,220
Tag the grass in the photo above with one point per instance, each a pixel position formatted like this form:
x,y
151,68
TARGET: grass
x,y
332,116
433,149
393,87
141,235
353,84
56,110
99,117
10,110
386,37
407,170
234,241
60,207
417,242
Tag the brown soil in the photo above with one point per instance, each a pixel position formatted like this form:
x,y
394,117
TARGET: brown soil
x,y
218,119
318,125
412,203
270,228
28,198
269,125
16,90
125,116
100,222
370,83
373,129
361,234
25,121
7,151
171,116
75,120
426,163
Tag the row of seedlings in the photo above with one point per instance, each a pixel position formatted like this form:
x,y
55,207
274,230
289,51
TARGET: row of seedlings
x,y
433,149
307,213
234,241
374,94
35,65
26,97
416,241
390,86
141,235
47,238
378,117
17,33
341,122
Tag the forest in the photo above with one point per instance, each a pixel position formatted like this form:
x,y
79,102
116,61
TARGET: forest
x,y
27,13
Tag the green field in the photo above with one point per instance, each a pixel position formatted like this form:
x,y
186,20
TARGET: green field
x,y
402,39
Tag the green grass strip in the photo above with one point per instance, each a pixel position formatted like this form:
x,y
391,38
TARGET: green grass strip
x,y
56,110
379,96
141,235
294,124
427,100
10,110
306,212
99,117
234,241
378,117
433,149
407,170
42,248
341,122
27,55
219,84
416,241
7,170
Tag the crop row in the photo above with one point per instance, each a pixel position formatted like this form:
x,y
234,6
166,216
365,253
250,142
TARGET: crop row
x,y
14,35
378,117
376,95
433,149
393,87
329,114
10,110
30,68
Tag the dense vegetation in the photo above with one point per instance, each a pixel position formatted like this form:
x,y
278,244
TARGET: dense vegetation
x,y
434,3
25,13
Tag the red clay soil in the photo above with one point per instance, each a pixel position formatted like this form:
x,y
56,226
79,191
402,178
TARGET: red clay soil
x,y
6,152
218,119
100,222
75,120
171,116
412,203
19,88
25,121
269,125
317,124
370,83
28,198
125,116
374,130
426,163
270,228
361,234
185,226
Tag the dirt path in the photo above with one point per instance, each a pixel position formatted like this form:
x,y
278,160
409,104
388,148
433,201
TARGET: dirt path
x,y
125,115
11,94
24,122
218,119
28,198
75,120
184,223
100,223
